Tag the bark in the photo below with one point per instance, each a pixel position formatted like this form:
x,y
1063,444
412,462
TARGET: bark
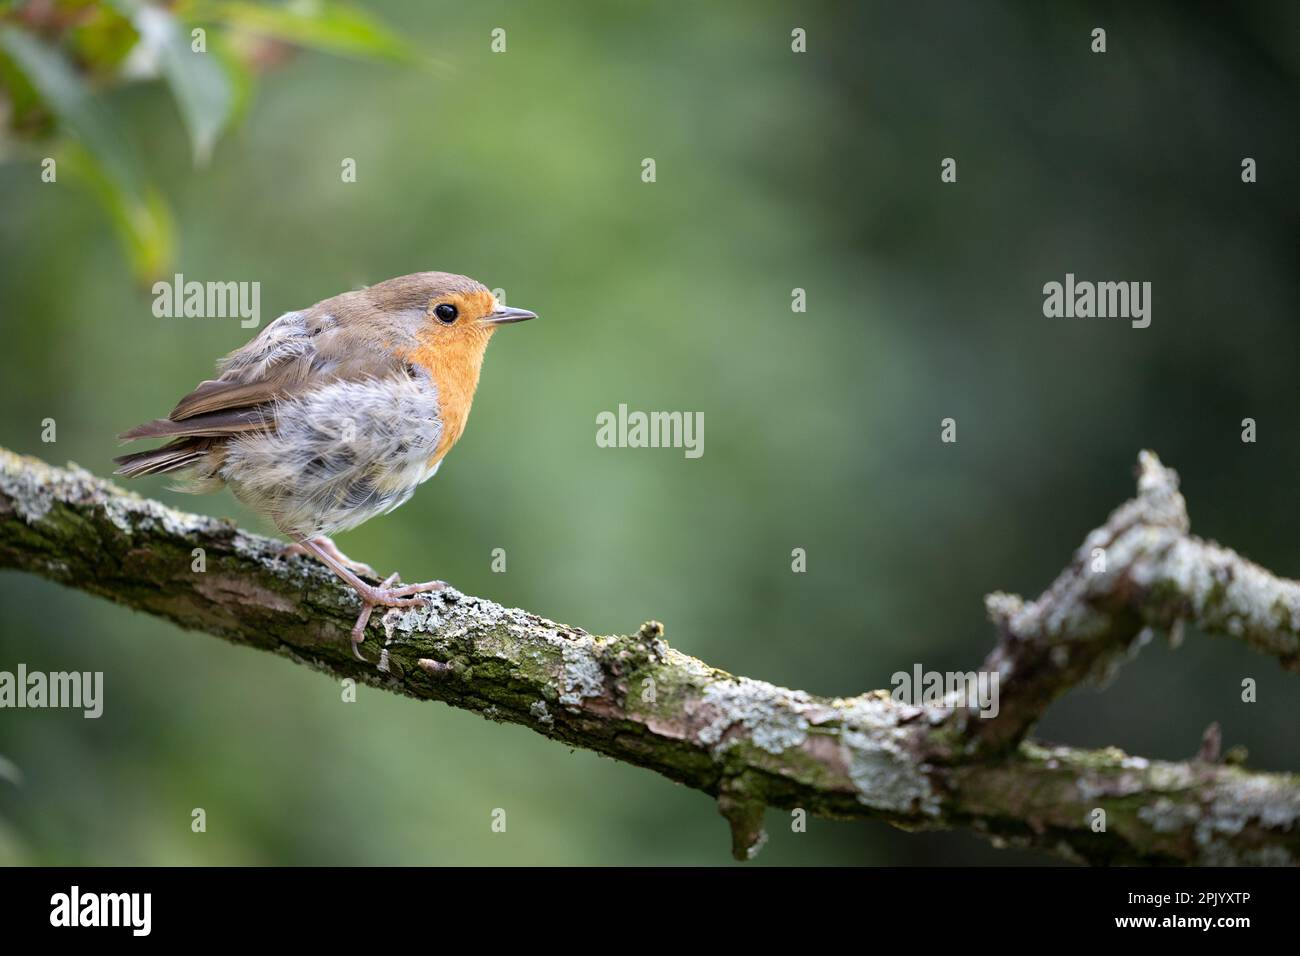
x,y
749,744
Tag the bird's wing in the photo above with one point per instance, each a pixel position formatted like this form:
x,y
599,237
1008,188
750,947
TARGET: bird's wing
x,y
296,351
277,361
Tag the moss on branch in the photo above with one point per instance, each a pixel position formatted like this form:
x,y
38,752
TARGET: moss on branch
x,y
747,743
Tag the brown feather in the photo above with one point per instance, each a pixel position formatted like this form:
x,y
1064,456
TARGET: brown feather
x,y
213,424
216,395
170,457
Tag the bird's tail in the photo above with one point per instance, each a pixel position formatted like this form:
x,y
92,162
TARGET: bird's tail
x,y
175,456
192,439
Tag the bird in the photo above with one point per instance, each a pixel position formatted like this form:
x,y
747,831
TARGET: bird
x,y
335,414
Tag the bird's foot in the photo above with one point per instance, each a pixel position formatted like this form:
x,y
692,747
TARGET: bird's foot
x,y
386,596
327,545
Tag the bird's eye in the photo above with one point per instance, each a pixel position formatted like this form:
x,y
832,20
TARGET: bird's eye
x,y
446,313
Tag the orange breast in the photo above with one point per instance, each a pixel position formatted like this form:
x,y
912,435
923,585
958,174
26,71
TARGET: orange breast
x,y
454,367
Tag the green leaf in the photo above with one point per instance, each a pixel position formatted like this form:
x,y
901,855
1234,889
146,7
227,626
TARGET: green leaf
x,y
331,27
238,72
198,80
77,112
99,37
142,221
98,154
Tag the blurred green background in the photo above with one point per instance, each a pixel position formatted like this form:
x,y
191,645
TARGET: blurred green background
x,y
775,170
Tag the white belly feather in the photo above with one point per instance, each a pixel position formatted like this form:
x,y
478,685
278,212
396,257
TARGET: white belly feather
x,y
342,454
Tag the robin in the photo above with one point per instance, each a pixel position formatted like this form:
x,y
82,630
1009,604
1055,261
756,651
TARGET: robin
x,y
335,414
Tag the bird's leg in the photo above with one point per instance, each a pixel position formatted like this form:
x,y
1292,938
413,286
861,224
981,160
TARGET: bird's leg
x,y
371,597
359,629
327,544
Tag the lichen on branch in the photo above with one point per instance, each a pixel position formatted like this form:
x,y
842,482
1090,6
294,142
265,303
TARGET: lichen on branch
x,y
749,744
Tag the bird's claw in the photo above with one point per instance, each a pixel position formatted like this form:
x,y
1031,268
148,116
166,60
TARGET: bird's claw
x,y
386,596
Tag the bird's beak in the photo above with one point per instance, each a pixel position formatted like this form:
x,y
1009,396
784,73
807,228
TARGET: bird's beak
x,y
505,316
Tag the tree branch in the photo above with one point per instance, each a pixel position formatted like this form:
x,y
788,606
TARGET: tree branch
x,y
1140,571
745,742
